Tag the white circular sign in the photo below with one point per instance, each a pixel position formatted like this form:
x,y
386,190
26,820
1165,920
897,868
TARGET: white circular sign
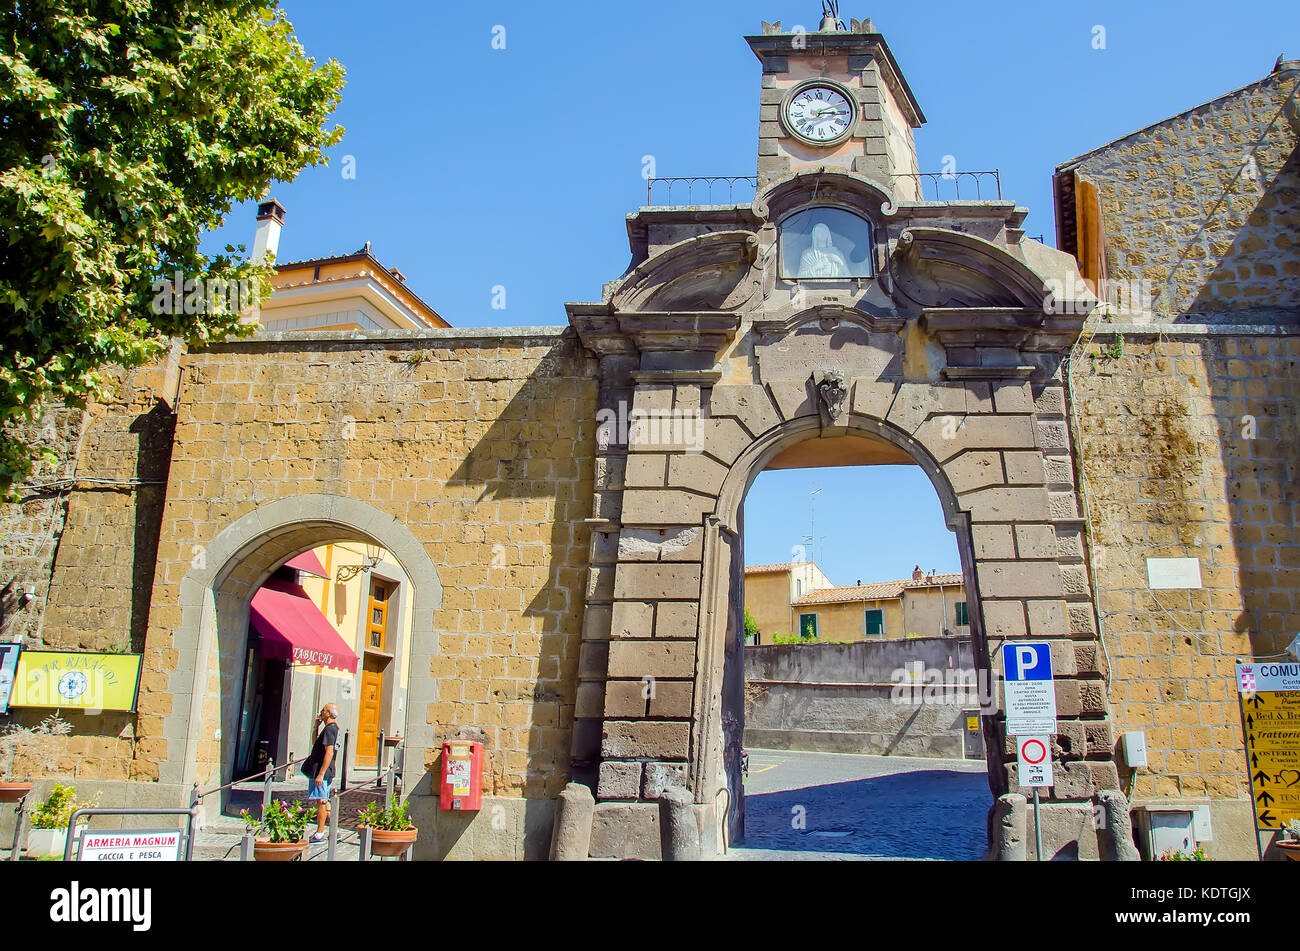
x,y
1033,752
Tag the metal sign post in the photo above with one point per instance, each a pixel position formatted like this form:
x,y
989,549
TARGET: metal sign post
x,y
1030,691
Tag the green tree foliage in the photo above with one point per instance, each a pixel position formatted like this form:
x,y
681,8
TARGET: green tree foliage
x,y
127,129
751,628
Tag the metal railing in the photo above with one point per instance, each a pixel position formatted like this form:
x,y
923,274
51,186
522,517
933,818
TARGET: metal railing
x,y
387,777
709,188
947,186
268,776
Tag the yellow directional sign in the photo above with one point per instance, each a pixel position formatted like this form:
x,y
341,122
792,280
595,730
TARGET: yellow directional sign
x,y
1270,716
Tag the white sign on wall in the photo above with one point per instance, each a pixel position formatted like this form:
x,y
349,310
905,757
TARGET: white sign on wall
x,y
130,845
1034,761
1173,573
1029,688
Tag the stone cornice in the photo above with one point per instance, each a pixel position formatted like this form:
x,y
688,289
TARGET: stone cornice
x,y
829,316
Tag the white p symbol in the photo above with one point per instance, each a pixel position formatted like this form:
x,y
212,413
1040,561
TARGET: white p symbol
x,y
1026,660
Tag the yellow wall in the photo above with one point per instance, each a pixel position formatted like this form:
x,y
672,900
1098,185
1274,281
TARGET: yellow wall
x,y
923,608
767,596
847,620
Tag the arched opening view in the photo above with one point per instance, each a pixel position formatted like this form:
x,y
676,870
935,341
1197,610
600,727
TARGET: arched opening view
x,y
328,626
862,733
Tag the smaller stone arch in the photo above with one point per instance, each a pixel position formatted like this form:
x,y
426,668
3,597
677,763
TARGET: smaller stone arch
x,y
214,598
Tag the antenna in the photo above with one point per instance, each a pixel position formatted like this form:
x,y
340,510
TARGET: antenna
x,y
810,540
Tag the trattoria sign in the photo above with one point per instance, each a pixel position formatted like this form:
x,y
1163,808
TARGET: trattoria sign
x,y
60,679
1270,719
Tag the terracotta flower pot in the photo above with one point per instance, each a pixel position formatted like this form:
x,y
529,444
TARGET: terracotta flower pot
x,y
1291,850
385,843
266,851
13,792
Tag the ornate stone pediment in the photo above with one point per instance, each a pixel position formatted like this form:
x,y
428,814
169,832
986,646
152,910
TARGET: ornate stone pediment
x,y
706,272
938,267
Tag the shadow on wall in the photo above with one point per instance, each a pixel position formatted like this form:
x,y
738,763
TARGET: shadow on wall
x,y
536,453
1262,269
927,814
156,430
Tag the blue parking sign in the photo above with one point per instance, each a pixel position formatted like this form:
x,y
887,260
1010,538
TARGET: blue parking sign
x,y
1028,689
1022,662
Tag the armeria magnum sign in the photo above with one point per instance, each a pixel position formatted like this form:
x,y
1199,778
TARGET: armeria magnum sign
x,y
131,845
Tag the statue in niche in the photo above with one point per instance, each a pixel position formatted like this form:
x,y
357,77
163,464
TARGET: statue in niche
x,y
823,258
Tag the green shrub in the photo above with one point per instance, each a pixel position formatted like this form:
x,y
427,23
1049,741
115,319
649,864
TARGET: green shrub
x,y
387,820
56,811
280,822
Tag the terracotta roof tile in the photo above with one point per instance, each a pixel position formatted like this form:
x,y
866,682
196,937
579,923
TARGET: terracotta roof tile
x,y
768,569
876,591
954,578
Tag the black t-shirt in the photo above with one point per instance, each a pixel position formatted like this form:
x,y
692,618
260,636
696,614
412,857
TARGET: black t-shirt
x,y
329,736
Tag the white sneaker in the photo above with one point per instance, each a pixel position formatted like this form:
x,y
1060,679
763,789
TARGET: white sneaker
x,y
317,837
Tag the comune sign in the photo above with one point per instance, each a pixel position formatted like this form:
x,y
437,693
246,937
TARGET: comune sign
x,y
131,845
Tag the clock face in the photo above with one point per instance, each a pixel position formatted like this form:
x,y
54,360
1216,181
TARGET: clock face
x,y
820,114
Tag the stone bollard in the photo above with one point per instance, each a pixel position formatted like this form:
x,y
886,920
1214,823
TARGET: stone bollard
x,y
1115,837
575,810
679,833
1009,828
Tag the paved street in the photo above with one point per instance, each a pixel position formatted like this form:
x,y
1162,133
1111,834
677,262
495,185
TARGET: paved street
x,y
849,806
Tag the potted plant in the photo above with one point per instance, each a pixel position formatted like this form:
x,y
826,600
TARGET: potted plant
x,y
281,834
36,747
49,832
391,832
1290,841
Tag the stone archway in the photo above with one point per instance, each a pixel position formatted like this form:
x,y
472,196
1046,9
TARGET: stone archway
x,y
950,357
215,595
719,675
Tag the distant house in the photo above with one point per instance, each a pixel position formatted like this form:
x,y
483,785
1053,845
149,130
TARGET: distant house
x,y
770,590
924,605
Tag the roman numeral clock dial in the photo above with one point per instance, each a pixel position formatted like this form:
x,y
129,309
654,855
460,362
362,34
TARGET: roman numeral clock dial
x,y
819,114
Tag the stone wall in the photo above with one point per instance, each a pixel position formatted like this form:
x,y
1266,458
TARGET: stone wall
x,y
1204,207
842,698
478,443
1186,425
1188,449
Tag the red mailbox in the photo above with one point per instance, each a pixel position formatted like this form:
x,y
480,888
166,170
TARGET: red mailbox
x,y
462,776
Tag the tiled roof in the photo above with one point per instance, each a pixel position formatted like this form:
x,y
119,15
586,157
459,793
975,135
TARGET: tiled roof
x,y
769,569
875,591
937,579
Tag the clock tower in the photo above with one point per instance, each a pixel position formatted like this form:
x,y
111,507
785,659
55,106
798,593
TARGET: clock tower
x,y
835,99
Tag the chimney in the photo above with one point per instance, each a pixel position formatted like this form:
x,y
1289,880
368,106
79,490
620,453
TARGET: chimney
x,y
270,219
917,573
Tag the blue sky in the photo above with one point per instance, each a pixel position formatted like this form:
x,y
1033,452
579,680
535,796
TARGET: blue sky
x,y
478,167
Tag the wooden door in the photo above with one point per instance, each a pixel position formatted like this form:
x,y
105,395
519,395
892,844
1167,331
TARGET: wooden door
x,y
368,714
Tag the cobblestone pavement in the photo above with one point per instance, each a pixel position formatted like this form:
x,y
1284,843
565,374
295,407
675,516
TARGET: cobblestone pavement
x,y
858,807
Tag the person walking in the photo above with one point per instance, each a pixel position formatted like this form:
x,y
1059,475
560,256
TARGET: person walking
x,y
319,767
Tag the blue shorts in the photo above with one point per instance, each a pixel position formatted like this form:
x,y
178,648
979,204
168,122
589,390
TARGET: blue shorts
x,y
317,790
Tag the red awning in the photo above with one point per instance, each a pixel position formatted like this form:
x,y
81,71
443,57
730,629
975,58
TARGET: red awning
x,y
309,563
293,628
